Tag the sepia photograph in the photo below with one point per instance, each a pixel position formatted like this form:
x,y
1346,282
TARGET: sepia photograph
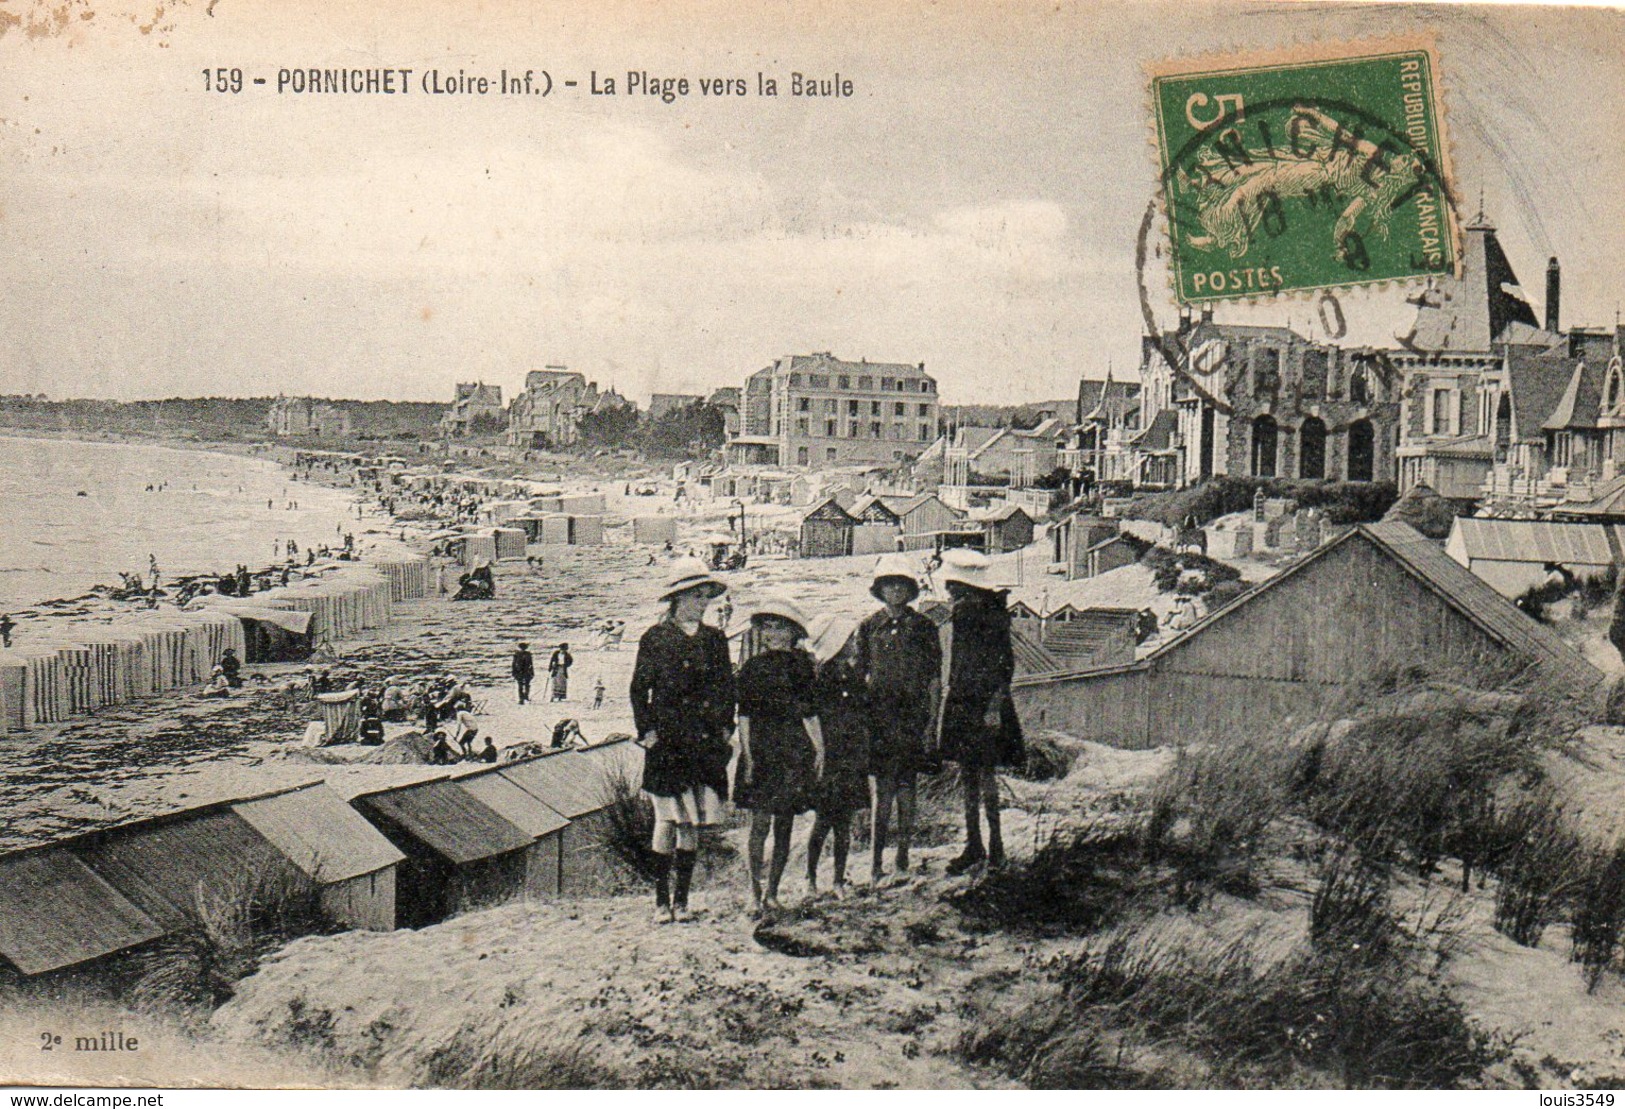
x,y
887,545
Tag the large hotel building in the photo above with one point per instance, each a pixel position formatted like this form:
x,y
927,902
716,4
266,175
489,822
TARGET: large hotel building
x,y
817,410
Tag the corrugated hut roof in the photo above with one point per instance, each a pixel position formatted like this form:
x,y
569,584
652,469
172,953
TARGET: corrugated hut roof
x,y
447,819
55,912
519,808
616,755
1536,541
564,783
164,867
320,834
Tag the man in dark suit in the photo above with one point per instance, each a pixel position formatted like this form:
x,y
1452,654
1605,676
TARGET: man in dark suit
x,y
524,671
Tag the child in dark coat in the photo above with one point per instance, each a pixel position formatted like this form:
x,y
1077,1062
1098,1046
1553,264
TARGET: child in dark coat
x,y
843,715
781,744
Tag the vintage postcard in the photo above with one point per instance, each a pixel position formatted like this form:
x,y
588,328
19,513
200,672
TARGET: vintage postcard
x,y
841,546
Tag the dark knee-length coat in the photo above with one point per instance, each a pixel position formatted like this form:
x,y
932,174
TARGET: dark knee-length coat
x,y
981,665
683,690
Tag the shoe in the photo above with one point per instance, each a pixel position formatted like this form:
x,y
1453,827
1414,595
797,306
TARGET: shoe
x,y
965,862
902,862
682,915
996,859
663,915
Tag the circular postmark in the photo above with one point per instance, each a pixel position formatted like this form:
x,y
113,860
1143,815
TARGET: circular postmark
x,y
1316,185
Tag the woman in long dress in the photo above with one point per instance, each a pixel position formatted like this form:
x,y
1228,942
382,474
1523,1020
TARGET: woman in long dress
x,y
683,699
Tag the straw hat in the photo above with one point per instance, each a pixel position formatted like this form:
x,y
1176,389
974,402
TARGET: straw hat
x,y
781,608
691,573
967,567
894,567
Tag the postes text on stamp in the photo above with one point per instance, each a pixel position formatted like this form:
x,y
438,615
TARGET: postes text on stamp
x,y
1319,168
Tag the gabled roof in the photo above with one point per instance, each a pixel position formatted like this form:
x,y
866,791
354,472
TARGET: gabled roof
x,y
320,834
1160,435
1538,384
1106,397
1537,541
997,513
975,440
523,810
55,912
564,783
1481,309
447,819
827,505
903,507
1471,597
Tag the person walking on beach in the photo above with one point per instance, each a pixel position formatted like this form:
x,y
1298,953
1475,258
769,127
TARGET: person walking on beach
x,y
524,671
899,656
683,697
781,743
979,728
598,693
558,671
844,717
7,626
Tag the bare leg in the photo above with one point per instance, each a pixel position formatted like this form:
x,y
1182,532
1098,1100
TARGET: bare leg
x,y
905,819
843,845
815,848
783,824
760,822
880,801
990,803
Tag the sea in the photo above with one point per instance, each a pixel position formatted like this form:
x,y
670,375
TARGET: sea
x,y
76,514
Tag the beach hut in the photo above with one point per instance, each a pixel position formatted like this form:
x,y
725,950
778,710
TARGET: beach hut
x,y
510,542
655,530
586,531
576,788
351,865
544,859
55,912
1513,555
826,531
459,853
181,866
582,504
1006,527
341,715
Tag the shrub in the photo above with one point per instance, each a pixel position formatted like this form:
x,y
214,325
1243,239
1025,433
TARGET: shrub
x,y
1046,760
1209,813
1537,868
1349,502
1599,911
1168,568
629,827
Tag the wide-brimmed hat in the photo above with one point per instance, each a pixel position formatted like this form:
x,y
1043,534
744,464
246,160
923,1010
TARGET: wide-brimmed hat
x,y
894,567
781,608
691,573
967,567
830,636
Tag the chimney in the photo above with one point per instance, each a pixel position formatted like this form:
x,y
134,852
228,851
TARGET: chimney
x,y
1554,283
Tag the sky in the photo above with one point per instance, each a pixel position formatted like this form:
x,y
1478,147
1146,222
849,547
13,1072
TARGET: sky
x,y
973,205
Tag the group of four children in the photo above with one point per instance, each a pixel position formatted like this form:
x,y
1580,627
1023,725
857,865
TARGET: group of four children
x,y
853,726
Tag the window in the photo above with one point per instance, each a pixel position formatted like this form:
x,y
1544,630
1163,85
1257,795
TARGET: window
x,y
885,384
1314,374
874,430
925,431
829,454
866,382
1560,449
803,404
846,382
925,410
829,429
831,406
855,430
926,385
899,409
818,381
1359,387
897,431
1442,406
851,408
795,380
801,426
874,408
801,456
1267,373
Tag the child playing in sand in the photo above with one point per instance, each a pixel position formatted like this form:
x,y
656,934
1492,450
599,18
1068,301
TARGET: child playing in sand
x,y
598,693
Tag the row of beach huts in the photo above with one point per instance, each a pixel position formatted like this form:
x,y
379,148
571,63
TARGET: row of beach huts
x,y
63,668
427,843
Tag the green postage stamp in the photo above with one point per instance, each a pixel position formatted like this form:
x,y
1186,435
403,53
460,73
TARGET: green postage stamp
x,y
1319,167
